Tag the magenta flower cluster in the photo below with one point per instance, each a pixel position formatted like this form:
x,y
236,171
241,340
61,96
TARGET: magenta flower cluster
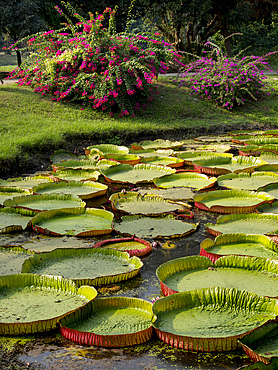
x,y
228,82
93,66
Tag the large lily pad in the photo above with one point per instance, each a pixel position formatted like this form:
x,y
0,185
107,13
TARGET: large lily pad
x,y
44,202
271,189
157,144
239,244
10,192
123,158
148,204
252,274
172,162
171,193
107,149
76,221
113,322
269,208
140,173
271,158
190,156
84,164
211,319
63,155
262,140
185,179
154,227
132,245
86,266
251,223
11,259
31,303
26,182
84,189
222,165
231,201
14,219
247,181
77,175
220,148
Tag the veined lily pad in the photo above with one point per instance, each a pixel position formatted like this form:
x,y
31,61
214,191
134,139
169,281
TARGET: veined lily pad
x,y
246,181
11,259
43,202
170,193
14,219
148,204
190,156
253,274
107,149
172,162
185,179
30,303
133,246
76,221
231,201
154,227
221,165
26,182
113,322
239,244
157,144
9,192
140,173
84,164
123,158
262,343
269,208
77,175
251,223
84,189
211,319
86,266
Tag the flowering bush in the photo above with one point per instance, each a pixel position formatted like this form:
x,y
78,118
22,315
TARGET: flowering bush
x,y
87,63
228,82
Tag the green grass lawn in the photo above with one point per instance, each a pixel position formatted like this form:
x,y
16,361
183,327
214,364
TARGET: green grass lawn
x,y
32,125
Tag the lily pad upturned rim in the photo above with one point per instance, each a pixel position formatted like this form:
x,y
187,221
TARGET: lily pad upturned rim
x,y
47,281
157,144
18,211
243,175
174,162
107,149
160,181
39,258
132,252
200,297
111,340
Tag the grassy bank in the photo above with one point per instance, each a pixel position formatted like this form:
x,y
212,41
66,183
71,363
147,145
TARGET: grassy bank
x,y
33,126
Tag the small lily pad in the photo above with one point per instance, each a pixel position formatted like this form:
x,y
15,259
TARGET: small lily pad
x,y
185,179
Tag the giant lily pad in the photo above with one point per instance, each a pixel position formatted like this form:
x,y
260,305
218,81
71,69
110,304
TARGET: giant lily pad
x,y
190,156
157,144
271,158
84,164
154,227
14,219
30,303
271,189
26,182
251,223
113,322
148,204
43,202
84,189
172,162
262,140
220,148
185,179
107,149
170,193
11,259
86,266
132,245
247,181
253,274
210,319
140,173
231,201
269,208
239,244
222,165
62,155
10,192
76,221
77,175
123,158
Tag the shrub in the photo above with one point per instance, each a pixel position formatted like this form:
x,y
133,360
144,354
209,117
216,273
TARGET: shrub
x,y
92,65
228,82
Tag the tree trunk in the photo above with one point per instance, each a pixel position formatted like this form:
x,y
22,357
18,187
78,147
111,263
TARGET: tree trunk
x,y
224,32
18,56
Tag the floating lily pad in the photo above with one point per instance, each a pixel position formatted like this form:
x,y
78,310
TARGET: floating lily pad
x,y
140,173
213,139
152,153
43,202
268,167
250,150
11,260
271,158
172,162
239,244
9,192
262,343
14,219
262,140
271,189
157,144
84,164
86,266
220,148
252,274
154,227
62,155
84,189
170,193
76,221
211,319
123,158
30,303
185,179
26,182
113,322
252,223
107,149
77,175
133,246
190,156
269,208
148,204
231,201
247,181
272,148
222,165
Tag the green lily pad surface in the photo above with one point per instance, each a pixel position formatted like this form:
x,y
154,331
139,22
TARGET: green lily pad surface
x,y
164,161
14,219
87,266
108,149
157,144
11,260
154,227
125,173
220,148
133,246
77,175
30,303
269,208
43,202
170,193
26,182
9,193
246,181
113,322
231,201
239,244
84,189
84,164
185,179
123,158
62,155
74,221
252,274
190,156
